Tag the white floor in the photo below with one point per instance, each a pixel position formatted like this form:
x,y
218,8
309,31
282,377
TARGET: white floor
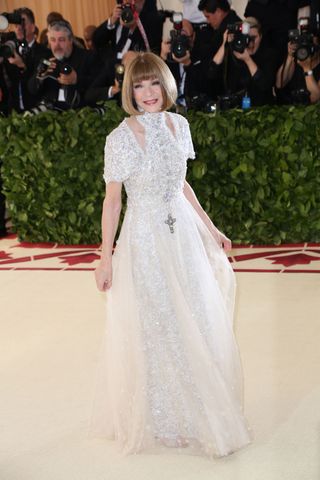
x,y
51,326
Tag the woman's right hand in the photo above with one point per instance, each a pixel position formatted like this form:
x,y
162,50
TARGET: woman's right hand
x,y
103,276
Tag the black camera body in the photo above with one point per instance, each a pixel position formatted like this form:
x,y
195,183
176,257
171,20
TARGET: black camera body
x,y
127,11
6,18
303,38
61,68
180,43
203,103
227,102
300,96
241,38
304,42
9,44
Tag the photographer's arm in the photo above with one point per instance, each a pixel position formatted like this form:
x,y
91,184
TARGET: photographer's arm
x,y
17,60
215,65
219,56
165,49
286,71
220,238
311,83
106,31
247,59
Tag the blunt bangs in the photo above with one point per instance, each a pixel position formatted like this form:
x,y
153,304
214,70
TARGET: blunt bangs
x,y
148,66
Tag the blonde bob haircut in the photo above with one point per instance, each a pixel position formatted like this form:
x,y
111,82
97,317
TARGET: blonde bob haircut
x,y
148,66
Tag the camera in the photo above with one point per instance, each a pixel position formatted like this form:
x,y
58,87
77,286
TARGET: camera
x,y
303,39
128,10
203,103
233,100
300,96
241,38
6,18
179,42
8,41
9,44
119,73
61,68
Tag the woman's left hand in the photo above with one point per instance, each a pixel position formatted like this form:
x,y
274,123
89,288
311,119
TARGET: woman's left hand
x,y
225,243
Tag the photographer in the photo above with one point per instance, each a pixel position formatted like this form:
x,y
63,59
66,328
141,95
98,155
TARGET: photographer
x,y
219,15
107,85
60,82
276,18
298,78
243,64
185,67
21,64
133,25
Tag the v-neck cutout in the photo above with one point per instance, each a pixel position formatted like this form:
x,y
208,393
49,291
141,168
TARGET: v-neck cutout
x,y
168,123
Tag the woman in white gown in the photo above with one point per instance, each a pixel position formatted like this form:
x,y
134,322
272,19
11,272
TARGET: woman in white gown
x,y
170,371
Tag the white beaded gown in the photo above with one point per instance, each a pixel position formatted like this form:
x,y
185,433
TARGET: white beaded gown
x,y
169,372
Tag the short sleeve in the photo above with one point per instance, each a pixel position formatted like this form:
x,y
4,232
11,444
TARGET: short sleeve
x,y
186,139
118,157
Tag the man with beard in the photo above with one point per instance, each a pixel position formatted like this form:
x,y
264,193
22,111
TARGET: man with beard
x,y
60,82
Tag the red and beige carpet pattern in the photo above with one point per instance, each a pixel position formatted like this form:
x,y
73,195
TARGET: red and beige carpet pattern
x,y
51,328
292,258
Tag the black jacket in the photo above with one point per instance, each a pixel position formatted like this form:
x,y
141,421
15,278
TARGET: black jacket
x,y
104,39
99,89
85,63
233,76
195,85
20,98
276,18
213,47
296,92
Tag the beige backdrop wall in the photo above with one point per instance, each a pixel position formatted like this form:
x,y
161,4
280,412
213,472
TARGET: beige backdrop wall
x,y
79,12
85,12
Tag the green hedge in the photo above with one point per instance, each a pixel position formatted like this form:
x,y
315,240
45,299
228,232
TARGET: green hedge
x,y
257,173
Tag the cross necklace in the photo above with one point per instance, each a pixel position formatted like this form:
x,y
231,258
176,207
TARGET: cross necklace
x,y
170,222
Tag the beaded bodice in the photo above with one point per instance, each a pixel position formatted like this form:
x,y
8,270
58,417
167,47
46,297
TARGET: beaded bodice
x,y
153,173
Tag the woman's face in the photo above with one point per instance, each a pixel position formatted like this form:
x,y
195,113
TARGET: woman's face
x,y
255,40
148,95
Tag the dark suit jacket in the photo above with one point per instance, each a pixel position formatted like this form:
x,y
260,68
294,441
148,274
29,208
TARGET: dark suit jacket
x,y
19,79
233,76
195,81
98,90
105,39
213,46
85,63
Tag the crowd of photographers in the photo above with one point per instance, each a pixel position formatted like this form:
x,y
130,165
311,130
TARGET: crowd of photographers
x,y
218,59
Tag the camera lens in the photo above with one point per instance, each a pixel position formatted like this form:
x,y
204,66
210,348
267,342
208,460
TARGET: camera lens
x,y
302,53
66,69
126,14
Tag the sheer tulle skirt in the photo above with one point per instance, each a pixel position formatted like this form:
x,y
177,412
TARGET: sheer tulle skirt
x,y
169,372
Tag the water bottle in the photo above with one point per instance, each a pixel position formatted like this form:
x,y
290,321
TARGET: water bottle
x,y
246,102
